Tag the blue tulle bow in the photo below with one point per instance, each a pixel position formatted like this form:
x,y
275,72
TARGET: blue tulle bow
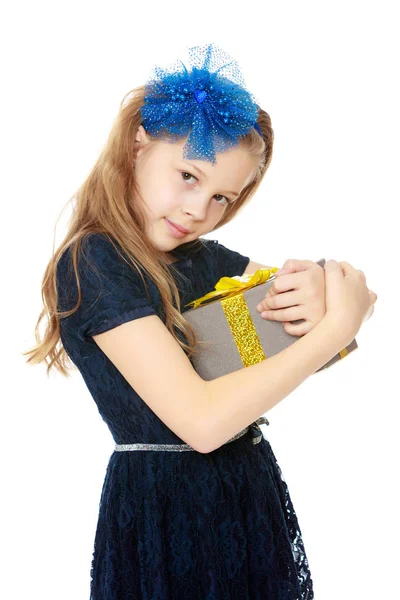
x,y
210,104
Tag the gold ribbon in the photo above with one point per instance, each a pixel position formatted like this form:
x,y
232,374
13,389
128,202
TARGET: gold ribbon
x,y
243,330
230,291
227,287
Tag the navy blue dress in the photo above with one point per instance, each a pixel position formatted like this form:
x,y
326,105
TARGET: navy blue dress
x,y
175,525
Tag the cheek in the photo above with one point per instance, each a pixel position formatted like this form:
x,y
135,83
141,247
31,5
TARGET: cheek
x,y
166,198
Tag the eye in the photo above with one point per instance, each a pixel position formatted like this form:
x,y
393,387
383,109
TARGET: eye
x,y
225,198
183,173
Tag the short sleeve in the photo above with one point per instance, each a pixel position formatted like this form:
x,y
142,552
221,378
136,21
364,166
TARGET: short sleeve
x,y
112,292
229,263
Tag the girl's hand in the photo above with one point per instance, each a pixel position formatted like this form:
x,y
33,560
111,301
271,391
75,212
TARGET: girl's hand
x,y
349,302
297,293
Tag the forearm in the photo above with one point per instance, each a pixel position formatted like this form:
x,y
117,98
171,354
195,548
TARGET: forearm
x,y
239,398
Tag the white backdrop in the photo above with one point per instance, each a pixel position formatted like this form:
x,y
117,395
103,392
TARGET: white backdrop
x,y
327,73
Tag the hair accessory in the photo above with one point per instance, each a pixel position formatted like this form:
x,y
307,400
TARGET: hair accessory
x,y
210,103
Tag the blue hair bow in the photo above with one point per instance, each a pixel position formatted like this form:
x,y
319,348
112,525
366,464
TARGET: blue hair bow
x,y
210,104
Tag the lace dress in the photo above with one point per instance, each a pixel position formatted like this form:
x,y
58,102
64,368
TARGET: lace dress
x,y
175,525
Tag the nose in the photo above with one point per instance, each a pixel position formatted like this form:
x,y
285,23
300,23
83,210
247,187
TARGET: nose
x,y
196,207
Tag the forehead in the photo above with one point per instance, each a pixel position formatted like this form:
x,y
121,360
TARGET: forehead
x,y
235,164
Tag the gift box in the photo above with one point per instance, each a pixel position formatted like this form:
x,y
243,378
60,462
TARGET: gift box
x,y
232,331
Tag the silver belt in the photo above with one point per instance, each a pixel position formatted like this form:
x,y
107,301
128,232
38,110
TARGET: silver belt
x,y
254,428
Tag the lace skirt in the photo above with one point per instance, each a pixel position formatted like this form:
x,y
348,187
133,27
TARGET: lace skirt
x,y
188,526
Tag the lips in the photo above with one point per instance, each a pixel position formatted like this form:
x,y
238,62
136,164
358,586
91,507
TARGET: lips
x,y
179,227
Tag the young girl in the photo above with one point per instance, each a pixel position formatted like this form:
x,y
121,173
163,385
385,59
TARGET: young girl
x,y
193,504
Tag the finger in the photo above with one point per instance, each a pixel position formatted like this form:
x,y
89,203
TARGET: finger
x,y
336,271
344,263
297,330
293,265
347,268
283,300
373,296
297,281
293,313
284,283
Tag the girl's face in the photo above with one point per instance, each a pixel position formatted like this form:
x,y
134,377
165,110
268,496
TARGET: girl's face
x,y
175,189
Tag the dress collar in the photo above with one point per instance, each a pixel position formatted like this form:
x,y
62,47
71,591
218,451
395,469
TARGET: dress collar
x,y
184,254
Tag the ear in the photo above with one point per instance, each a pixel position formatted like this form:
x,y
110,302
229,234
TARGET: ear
x,y
141,136
142,140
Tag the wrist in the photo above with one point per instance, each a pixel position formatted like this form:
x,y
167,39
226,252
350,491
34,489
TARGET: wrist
x,y
337,331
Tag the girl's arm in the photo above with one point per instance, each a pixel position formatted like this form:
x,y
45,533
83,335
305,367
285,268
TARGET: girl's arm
x,y
237,399
206,414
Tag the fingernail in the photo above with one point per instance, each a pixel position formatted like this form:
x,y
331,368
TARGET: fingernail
x,y
279,272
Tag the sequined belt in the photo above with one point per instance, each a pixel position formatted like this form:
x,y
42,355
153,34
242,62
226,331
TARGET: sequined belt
x,y
253,427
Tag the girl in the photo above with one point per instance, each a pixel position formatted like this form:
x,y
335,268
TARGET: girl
x,y
193,505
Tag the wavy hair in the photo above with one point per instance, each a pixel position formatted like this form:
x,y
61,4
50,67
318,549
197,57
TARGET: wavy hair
x,y
104,205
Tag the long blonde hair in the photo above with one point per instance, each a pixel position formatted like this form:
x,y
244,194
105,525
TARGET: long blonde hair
x,y
104,205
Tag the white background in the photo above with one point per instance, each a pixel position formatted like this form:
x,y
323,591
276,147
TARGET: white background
x,y
327,73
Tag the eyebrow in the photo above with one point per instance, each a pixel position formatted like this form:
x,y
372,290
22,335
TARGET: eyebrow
x,y
204,175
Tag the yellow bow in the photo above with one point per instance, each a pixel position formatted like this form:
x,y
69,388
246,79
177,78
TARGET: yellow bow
x,y
230,286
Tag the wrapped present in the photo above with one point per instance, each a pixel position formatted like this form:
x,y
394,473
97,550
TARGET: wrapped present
x,y
232,331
